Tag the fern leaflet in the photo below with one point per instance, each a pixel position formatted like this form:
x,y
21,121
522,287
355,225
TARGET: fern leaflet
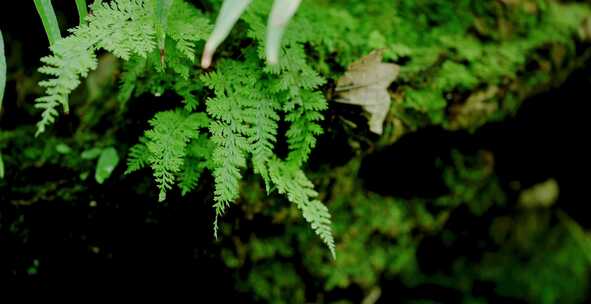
x,y
292,182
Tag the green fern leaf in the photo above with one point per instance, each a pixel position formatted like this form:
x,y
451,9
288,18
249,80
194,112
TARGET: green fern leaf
x,y
138,157
197,159
292,182
186,26
304,115
132,70
172,131
122,27
164,147
71,60
189,178
263,118
125,28
234,110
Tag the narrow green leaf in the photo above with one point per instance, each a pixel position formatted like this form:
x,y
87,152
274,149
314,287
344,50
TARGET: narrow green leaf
x,y
161,11
282,12
82,10
47,14
63,149
91,153
106,164
2,69
229,14
1,167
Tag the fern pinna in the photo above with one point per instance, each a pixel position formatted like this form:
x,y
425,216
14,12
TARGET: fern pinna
x,y
236,126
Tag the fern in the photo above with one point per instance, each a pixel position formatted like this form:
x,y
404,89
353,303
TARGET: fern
x,y
71,60
164,146
197,160
139,156
187,26
297,81
245,113
157,38
293,182
124,27
263,118
230,128
132,70
189,178
304,114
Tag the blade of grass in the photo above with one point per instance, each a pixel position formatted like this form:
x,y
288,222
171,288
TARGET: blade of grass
x,y
82,10
1,167
229,14
2,69
281,13
161,11
47,14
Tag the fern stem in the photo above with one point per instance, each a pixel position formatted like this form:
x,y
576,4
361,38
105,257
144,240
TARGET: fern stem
x,y
47,14
82,10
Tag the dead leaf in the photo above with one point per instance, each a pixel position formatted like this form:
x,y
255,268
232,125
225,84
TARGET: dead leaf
x,y
366,84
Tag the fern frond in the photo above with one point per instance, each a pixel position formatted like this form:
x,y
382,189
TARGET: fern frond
x,y
304,115
187,26
138,157
172,131
186,88
229,158
164,147
198,157
244,123
292,182
72,58
304,102
132,70
122,27
295,78
262,135
190,175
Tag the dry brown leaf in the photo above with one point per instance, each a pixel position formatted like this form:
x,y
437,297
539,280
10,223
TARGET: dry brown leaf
x,y
366,84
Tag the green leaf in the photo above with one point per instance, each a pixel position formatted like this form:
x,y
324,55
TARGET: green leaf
x,y
2,69
47,14
229,14
122,27
82,10
1,167
63,149
164,148
282,12
91,153
106,164
293,183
